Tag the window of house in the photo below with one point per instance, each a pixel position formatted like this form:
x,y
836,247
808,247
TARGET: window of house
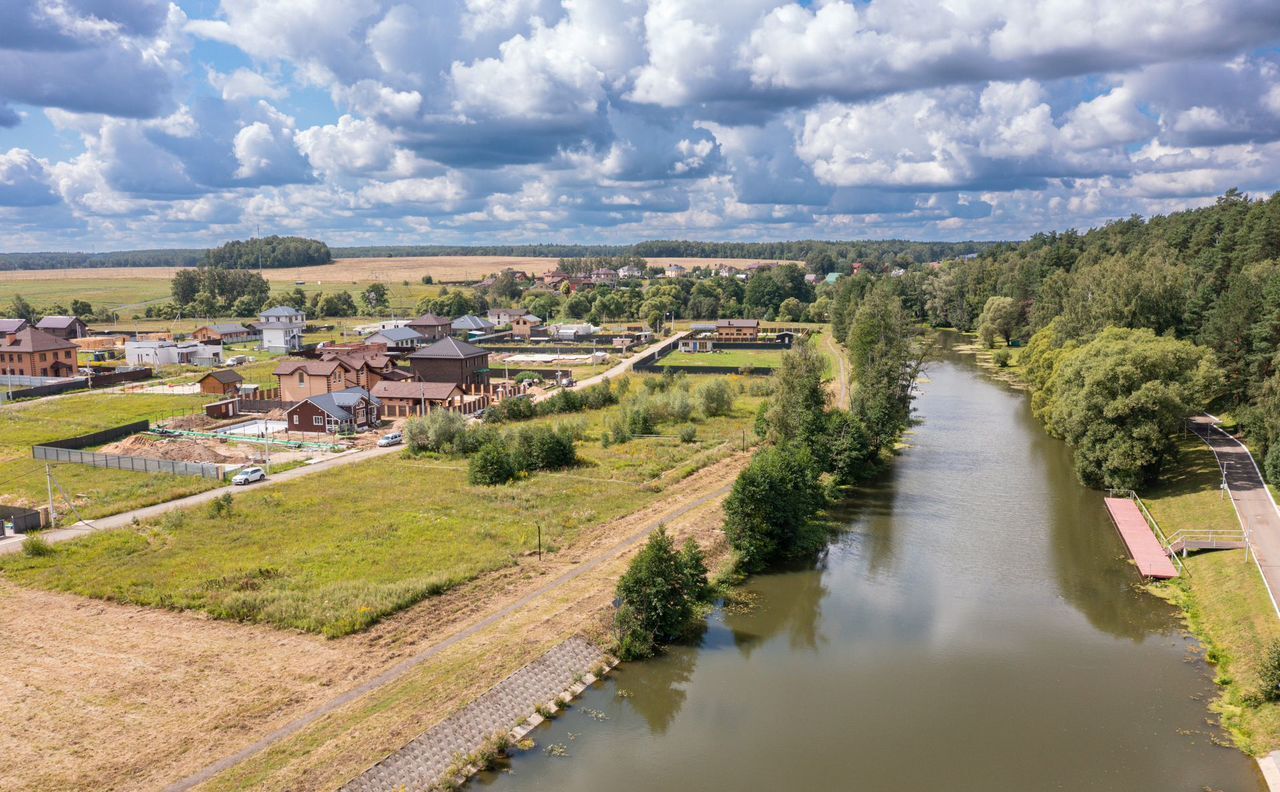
x,y
302,378
318,420
295,419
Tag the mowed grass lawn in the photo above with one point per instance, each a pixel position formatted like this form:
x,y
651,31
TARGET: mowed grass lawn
x,y
1223,595
737,358
334,552
95,492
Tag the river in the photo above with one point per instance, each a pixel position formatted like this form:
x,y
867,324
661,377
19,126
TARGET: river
x,y
974,627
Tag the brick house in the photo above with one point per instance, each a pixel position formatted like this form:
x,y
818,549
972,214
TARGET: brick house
x,y
467,326
67,327
403,399
302,379
32,352
223,382
505,316
738,330
451,360
363,369
431,327
332,412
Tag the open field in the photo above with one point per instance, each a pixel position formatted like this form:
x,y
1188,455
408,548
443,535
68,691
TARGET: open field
x,y
739,358
1223,596
95,492
325,554
108,696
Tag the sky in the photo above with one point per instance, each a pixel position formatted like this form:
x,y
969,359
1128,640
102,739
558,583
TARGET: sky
x,y
143,123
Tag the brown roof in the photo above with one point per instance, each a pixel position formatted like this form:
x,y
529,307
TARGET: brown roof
x,y
449,348
313,368
355,359
60,322
33,340
428,320
12,325
431,391
225,376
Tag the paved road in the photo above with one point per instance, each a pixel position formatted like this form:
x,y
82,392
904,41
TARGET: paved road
x,y
1254,506
14,543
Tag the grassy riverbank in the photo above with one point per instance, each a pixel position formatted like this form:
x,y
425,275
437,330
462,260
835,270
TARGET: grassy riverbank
x,y
1222,597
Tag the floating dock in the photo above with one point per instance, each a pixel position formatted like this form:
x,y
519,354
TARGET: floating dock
x,y
1148,554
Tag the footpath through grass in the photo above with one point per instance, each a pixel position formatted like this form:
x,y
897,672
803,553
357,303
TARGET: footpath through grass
x,y
1222,595
95,492
334,552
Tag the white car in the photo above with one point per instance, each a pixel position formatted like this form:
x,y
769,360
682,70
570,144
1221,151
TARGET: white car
x,y
394,438
249,475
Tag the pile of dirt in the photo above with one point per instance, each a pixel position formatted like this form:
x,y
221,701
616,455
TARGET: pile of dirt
x,y
181,449
191,423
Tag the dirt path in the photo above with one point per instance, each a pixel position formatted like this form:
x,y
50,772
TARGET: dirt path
x,y
1255,509
107,696
840,388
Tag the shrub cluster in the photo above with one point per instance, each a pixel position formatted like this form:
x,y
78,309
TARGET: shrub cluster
x,y
563,401
501,458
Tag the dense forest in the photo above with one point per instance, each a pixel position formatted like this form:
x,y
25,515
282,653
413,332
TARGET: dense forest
x,y
269,253
120,258
1127,328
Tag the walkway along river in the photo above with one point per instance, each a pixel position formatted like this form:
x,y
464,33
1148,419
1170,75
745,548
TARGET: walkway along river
x,y
975,627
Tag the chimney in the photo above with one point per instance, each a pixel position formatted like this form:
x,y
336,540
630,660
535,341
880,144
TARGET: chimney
x,y
10,339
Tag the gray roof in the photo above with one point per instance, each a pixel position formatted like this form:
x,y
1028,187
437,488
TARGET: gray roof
x,y
339,404
57,321
470,322
224,329
397,334
12,325
225,376
275,326
450,348
281,310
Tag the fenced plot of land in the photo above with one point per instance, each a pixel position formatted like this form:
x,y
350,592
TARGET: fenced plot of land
x,y
735,358
95,492
334,552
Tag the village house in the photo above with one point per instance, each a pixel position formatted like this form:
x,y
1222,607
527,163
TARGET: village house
x,y
365,368
572,332
430,326
525,326
553,279
747,330
468,326
352,408
629,271
504,316
301,379
172,353
399,338
373,327
451,360
697,345
605,276
32,352
281,328
223,382
406,398
9,326
674,271
225,334
66,327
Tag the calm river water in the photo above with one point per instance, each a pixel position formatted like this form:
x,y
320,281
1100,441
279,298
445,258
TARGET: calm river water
x,y
975,627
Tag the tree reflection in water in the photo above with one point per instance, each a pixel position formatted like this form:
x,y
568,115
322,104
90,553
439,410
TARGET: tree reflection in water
x,y
657,686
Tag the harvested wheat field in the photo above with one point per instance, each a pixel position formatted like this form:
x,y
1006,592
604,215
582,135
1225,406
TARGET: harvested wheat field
x,y
441,268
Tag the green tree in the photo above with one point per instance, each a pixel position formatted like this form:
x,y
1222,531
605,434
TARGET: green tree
x,y
337,304
768,514
490,465
715,398
19,308
1000,318
657,595
375,298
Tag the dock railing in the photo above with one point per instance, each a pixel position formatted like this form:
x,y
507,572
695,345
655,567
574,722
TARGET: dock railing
x,y
1151,521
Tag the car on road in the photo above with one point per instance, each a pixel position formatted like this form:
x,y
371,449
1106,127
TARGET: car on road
x,y
394,438
249,475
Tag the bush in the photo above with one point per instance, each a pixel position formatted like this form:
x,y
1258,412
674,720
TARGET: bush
x,y
427,280
715,398
36,547
437,431
688,434
489,466
542,448
767,514
220,507
1269,673
1001,357
1271,464
528,376
847,447
657,595
476,437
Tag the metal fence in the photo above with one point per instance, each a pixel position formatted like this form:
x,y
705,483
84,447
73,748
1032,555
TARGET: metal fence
x,y
131,463
23,520
102,437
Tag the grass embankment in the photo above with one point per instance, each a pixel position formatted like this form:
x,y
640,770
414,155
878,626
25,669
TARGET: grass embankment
x,y
736,358
95,492
334,552
1222,596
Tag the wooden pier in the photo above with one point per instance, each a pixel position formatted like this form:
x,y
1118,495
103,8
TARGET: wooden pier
x,y
1147,552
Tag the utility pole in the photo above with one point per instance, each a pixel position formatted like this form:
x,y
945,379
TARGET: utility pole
x,y
539,541
48,480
